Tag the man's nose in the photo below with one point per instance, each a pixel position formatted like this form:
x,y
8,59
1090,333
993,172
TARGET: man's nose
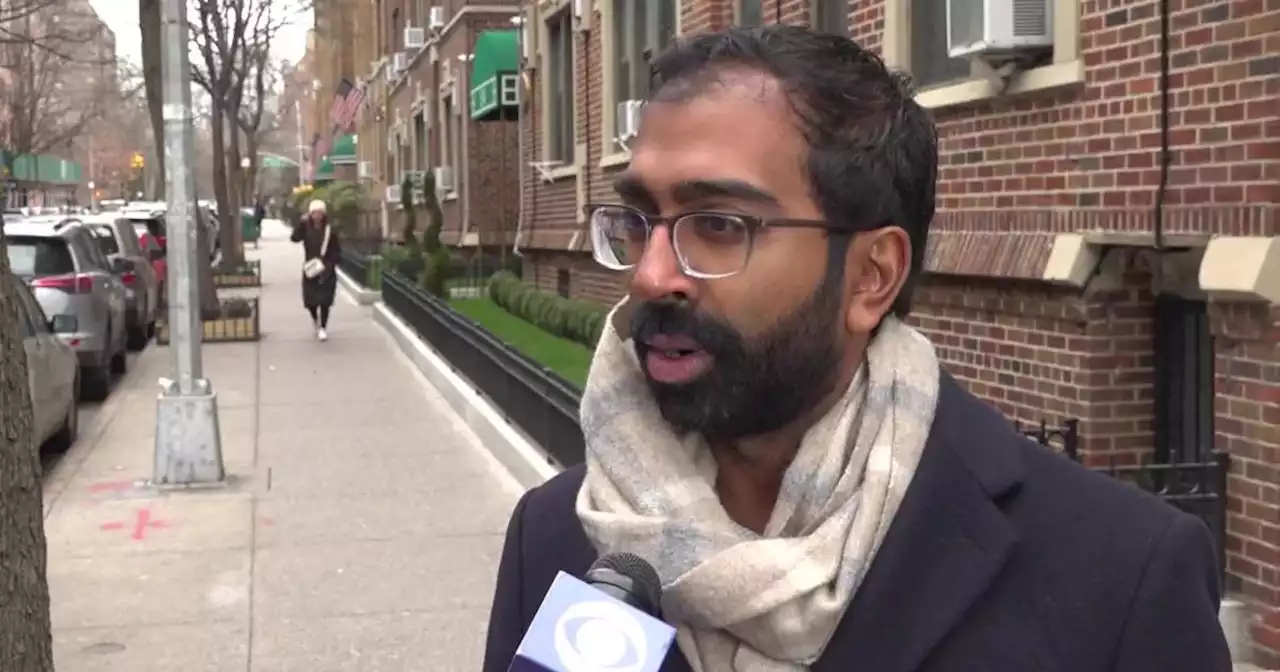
x,y
658,274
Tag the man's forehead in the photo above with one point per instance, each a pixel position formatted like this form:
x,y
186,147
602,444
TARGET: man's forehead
x,y
735,131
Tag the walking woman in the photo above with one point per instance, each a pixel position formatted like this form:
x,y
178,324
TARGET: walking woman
x,y
321,253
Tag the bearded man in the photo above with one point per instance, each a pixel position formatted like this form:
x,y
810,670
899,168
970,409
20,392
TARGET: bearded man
x,y
762,426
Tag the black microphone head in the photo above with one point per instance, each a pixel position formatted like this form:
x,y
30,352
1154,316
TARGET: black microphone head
x,y
633,576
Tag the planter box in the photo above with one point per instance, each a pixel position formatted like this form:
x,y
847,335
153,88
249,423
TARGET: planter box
x,y
239,323
249,275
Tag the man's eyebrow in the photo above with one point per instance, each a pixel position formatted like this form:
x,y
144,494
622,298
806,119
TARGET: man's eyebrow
x,y
631,189
692,191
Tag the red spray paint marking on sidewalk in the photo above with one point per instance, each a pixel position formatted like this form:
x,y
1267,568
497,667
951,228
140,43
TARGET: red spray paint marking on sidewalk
x,y
141,523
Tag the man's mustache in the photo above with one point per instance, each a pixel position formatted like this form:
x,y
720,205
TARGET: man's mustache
x,y
650,318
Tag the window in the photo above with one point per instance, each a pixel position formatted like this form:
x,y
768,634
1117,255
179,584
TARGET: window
x,y
562,283
420,141
930,64
560,111
831,16
34,256
641,30
106,240
446,132
750,12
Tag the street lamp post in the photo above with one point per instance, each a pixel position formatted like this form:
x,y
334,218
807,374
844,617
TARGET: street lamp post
x,y
188,449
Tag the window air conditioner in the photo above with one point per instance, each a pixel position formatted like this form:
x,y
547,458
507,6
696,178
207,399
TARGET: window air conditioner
x,y
414,177
444,179
414,38
986,28
435,18
365,170
392,194
400,61
629,118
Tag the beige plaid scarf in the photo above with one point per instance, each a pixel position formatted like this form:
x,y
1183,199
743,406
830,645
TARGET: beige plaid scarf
x,y
743,601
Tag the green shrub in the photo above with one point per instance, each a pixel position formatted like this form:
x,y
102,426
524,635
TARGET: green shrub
x,y
410,219
373,277
435,273
575,320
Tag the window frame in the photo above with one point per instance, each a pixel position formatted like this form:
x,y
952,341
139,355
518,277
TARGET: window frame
x,y
1066,68
616,16
818,16
558,88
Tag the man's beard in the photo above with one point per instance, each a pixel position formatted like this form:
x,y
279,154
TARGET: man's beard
x,y
754,386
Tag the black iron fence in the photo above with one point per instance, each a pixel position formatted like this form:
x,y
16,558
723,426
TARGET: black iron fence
x,y
545,406
1198,487
539,402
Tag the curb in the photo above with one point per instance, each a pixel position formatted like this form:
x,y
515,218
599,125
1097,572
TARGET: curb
x,y
362,295
527,463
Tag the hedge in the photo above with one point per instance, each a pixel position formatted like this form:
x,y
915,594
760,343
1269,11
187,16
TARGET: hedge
x,y
576,320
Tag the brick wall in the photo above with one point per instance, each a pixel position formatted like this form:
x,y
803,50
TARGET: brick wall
x,y
1014,172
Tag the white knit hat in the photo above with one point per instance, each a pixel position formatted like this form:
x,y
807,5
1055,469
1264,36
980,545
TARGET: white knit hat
x,y
316,206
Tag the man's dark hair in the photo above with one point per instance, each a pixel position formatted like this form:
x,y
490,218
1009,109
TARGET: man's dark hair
x,y
873,151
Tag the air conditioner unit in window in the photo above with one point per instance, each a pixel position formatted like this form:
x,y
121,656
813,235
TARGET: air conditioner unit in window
x,y
392,194
999,30
435,18
400,61
629,119
444,179
364,170
414,38
414,177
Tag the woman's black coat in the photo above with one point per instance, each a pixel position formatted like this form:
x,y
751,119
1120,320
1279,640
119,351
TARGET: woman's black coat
x,y
318,291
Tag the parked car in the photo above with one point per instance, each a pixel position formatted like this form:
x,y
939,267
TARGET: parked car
x,y
73,283
119,240
53,373
152,216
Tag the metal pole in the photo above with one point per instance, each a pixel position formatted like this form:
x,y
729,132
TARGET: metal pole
x,y
188,444
302,158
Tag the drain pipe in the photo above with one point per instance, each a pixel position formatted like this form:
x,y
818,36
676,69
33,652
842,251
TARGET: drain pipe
x,y
521,22
1166,155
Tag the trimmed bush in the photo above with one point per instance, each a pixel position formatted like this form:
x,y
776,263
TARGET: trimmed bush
x,y
575,320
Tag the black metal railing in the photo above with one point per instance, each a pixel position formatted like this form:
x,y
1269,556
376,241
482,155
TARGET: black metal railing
x,y
1198,486
539,402
355,265
1064,438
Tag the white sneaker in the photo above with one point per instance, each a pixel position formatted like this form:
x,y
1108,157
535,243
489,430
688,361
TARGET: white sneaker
x,y
322,334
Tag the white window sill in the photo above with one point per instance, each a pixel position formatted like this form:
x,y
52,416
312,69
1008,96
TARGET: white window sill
x,y
616,159
1052,76
562,173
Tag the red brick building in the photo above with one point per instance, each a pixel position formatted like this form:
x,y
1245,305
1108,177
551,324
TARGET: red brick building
x,y
435,76
1062,279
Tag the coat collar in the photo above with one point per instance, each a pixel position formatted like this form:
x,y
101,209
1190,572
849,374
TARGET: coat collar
x,y
946,544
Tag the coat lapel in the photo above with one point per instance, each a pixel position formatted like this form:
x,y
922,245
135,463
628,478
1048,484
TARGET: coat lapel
x,y
946,545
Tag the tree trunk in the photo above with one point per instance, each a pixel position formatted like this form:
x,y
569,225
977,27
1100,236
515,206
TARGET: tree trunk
x,y
231,236
149,25
26,643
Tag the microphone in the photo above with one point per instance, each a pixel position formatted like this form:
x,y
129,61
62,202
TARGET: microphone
x,y
608,623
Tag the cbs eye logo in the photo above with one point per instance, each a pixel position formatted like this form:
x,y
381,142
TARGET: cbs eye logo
x,y
600,637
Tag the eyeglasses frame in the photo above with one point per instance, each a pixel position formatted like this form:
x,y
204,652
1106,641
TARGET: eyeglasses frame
x,y
752,222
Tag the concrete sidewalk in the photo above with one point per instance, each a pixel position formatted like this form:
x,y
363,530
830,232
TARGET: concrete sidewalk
x,y
360,531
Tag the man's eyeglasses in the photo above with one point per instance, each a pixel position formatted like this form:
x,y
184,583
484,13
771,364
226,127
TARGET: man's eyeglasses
x,y
708,245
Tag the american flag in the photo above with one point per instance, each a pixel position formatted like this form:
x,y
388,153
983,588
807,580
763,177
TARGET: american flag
x,y
346,102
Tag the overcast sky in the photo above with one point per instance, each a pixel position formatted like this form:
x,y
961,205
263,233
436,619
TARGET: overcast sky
x,y
122,17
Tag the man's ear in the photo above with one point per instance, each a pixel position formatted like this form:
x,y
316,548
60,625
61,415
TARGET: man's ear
x,y
879,263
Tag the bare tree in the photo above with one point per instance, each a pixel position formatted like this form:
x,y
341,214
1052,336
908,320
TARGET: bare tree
x,y
26,644
258,116
35,43
58,85
149,26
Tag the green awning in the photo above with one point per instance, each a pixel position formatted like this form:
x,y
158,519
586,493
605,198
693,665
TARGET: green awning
x,y
495,75
344,150
41,168
277,162
324,172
